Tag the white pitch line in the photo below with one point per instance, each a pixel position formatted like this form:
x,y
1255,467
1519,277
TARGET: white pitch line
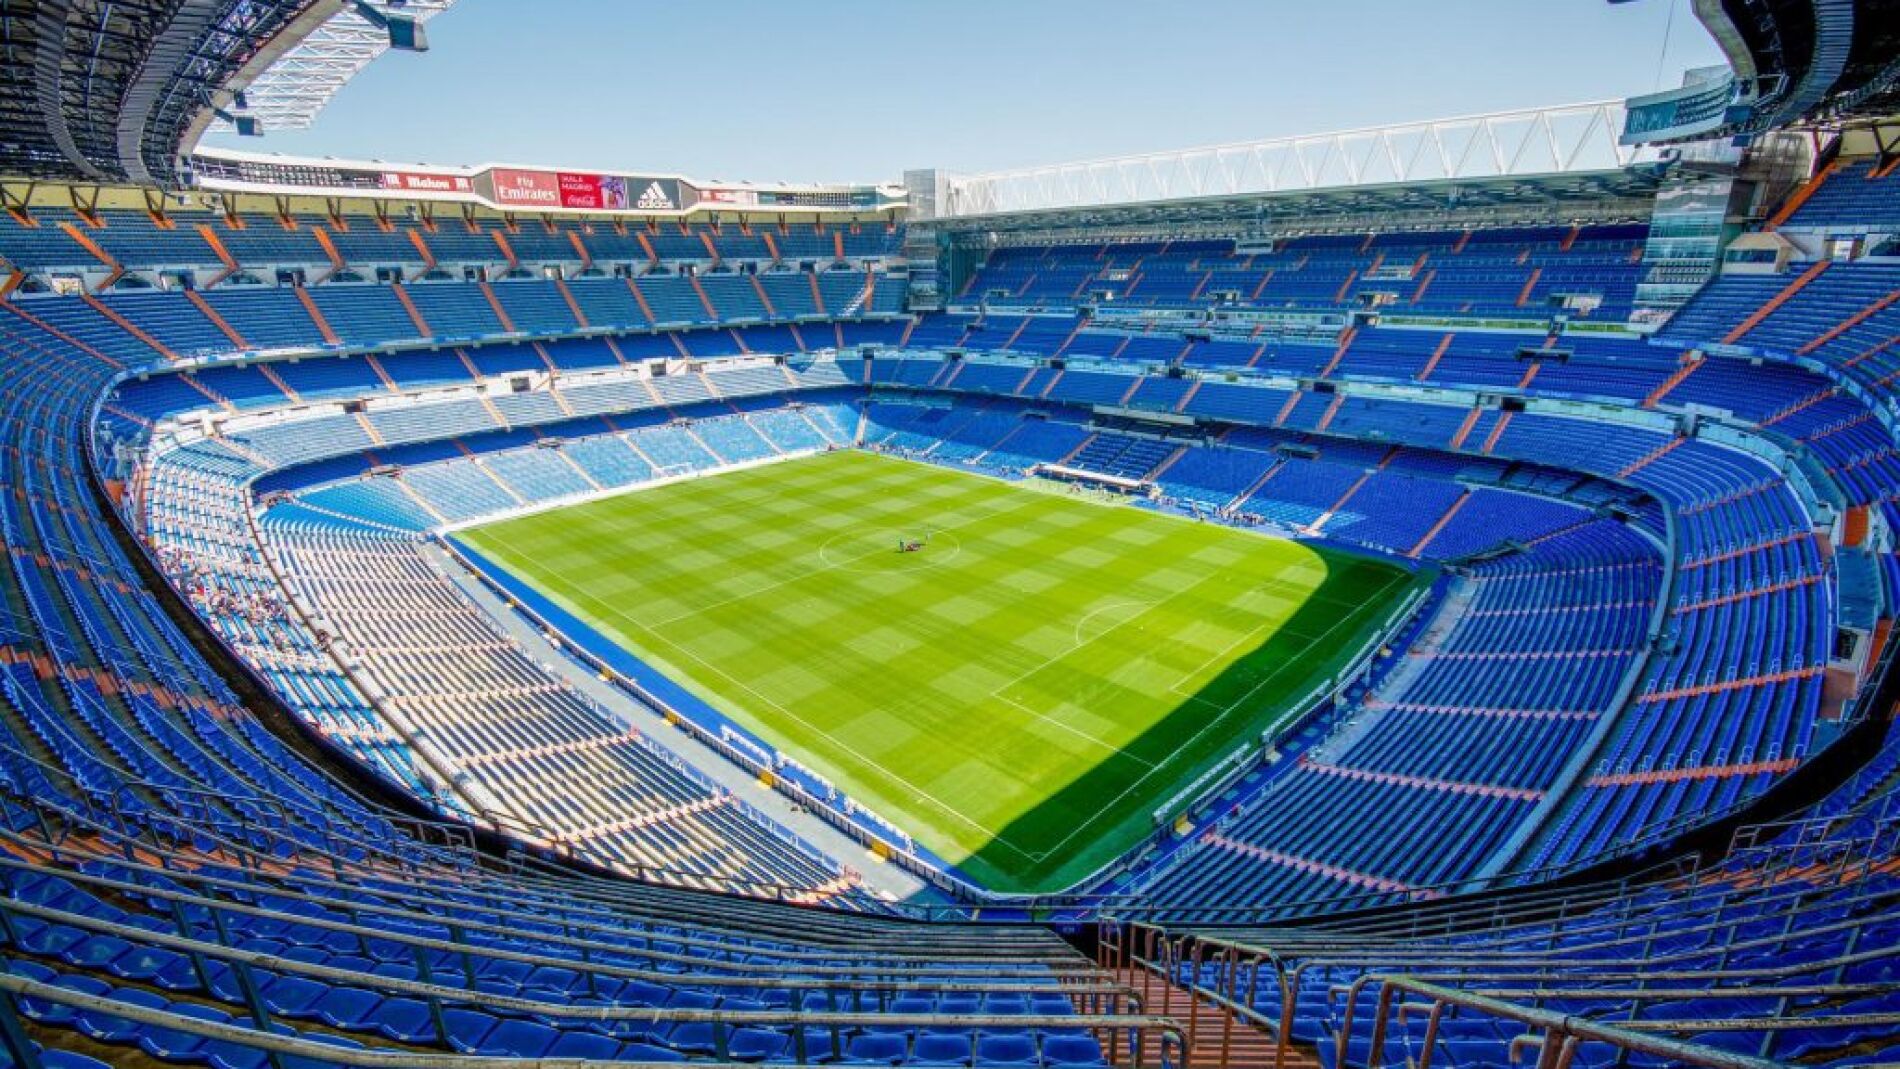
x,y
840,743
1273,587
1105,632
1205,728
825,566
1073,730
1093,613
997,837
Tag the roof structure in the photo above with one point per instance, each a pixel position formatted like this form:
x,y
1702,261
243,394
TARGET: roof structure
x,y
302,81
1792,63
114,90
1546,156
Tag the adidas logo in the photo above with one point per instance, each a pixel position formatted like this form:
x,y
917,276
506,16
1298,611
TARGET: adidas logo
x,y
654,197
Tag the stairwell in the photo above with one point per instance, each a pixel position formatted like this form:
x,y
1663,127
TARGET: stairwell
x,y
224,325
271,375
1464,428
1850,323
1497,432
1431,363
1339,353
1800,196
316,315
1530,284
1674,380
129,327
1319,525
414,313
1741,329
1188,397
1443,521
1246,495
1216,1036
1332,410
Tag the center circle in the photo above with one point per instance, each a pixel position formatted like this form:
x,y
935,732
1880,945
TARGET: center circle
x,y
889,549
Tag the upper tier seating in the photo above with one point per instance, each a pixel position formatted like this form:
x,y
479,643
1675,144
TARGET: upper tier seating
x,y
1523,273
1860,197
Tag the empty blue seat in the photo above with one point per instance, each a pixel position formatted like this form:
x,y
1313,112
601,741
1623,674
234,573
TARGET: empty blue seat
x,y
938,1048
876,1048
106,1028
1007,1050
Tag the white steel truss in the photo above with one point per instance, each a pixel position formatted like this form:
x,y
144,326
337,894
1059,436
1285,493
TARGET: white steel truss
x,y
289,95
1542,141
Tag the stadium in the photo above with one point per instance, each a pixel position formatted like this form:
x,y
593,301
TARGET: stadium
x,y
1415,596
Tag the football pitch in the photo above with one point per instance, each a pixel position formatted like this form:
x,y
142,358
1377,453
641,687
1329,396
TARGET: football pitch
x,y
1019,692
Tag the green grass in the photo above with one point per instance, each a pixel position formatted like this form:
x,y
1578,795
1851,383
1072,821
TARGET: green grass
x,y
1020,695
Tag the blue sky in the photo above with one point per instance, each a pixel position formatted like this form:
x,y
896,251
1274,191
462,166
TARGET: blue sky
x,y
859,90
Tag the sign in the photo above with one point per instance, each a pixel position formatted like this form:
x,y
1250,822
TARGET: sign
x,y
595,191
657,194
583,190
526,189
520,188
417,182
739,197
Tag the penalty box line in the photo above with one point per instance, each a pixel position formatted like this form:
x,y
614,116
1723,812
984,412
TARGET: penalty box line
x,y
1196,737
1001,692
841,744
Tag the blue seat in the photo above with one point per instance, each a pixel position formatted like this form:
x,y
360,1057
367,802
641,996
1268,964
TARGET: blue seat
x,y
47,1011
939,1048
1068,1049
95,952
292,996
404,1020
758,1045
347,1007
149,964
693,1038
591,1045
106,1028
47,940
467,1029
1007,1049
173,1045
518,1039
875,1048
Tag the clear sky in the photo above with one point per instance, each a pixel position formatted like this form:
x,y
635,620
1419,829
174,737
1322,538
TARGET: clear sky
x,y
859,90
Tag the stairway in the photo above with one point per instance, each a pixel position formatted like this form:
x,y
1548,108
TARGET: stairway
x,y
1121,456
1801,280
1217,1038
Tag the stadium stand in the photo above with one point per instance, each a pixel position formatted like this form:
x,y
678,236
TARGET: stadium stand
x,y
283,784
